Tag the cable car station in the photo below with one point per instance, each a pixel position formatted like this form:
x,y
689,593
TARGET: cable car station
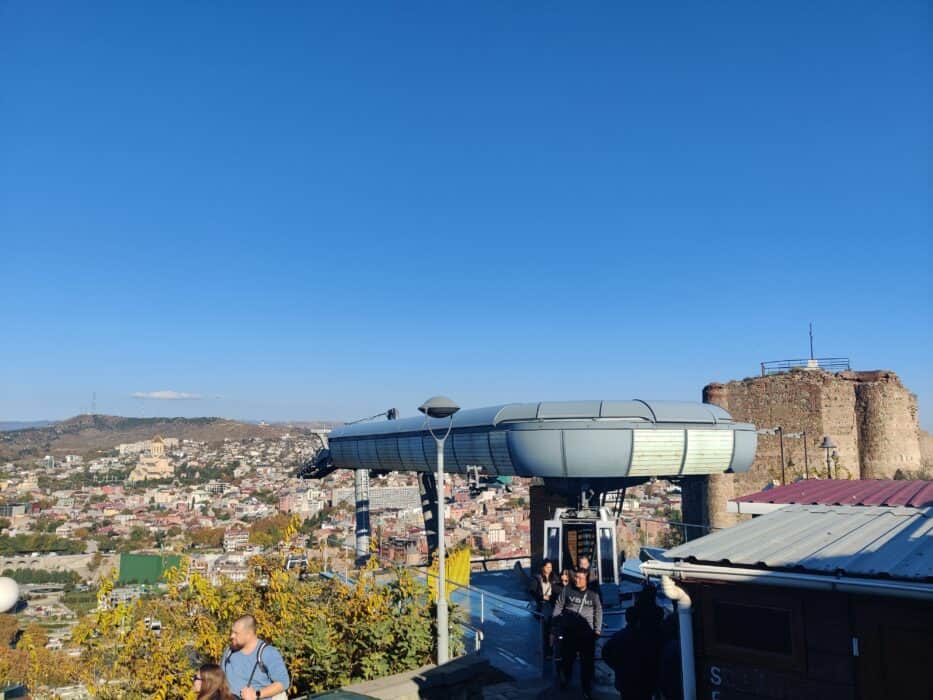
x,y
585,454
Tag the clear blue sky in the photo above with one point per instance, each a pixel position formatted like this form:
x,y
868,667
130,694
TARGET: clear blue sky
x,y
318,210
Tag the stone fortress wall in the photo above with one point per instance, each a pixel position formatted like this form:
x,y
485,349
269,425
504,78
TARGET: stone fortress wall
x,y
871,416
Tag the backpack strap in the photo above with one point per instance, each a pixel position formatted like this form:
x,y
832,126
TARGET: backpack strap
x,y
262,645
262,666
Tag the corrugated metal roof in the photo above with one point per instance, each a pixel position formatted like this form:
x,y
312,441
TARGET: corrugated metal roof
x,y
887,542
860,492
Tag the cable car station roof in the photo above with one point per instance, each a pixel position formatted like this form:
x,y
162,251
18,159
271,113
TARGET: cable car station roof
x,y
565,439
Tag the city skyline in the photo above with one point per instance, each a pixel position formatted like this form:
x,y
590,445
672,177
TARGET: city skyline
x,y
323,212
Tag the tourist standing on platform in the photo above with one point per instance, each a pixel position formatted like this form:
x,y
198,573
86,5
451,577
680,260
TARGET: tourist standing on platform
x,y
578,617
592,575
210,684
566,579
543,590
254,668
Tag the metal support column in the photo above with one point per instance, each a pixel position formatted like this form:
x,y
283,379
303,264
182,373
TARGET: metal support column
x,y
362,516
427,485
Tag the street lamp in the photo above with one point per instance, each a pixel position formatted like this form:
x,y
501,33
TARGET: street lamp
x,y
440,407
779,431
806,454
827,445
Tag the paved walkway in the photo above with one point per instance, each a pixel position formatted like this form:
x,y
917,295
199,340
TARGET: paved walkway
x,y
542,690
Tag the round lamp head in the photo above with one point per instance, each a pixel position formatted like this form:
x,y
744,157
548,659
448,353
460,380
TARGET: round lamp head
x,y
438,407
827,443
9,594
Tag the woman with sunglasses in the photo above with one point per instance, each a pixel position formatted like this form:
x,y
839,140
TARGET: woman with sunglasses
x,y
210,684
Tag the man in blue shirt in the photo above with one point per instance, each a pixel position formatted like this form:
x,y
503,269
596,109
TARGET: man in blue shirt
x,y
254,669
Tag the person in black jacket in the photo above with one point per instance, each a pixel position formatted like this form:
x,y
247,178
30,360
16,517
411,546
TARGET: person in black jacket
x,y
544,589
633,652
566,577
578,616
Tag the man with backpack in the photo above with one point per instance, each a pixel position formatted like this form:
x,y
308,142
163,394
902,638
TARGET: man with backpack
x,y
254,668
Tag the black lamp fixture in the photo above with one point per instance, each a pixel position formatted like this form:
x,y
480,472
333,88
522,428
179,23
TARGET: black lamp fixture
x,y
828,445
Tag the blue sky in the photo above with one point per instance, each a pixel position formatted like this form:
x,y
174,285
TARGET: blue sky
x,y
310,210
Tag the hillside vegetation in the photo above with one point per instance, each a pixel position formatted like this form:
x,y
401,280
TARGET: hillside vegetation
x,y
87,434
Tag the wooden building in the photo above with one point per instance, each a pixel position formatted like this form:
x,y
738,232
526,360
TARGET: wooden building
x,y
809,601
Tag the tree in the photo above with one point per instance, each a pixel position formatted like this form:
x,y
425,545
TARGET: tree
x,y
9,628
330,634
30,663
267,531
207,537
673,536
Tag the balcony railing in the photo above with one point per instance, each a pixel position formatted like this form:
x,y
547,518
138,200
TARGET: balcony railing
x,y
827,364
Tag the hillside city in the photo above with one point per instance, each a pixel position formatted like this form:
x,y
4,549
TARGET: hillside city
x,y
66,521
465,351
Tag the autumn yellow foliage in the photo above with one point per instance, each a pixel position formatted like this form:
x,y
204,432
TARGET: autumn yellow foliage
x,y
330,634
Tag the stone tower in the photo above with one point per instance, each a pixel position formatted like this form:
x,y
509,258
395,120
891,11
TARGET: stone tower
x,y
871,416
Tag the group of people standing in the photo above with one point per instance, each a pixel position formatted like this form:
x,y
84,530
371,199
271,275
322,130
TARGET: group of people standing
x,y
644,655
572,618
249,669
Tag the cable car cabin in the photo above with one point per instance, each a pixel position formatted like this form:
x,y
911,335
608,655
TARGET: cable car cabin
x,y
589,532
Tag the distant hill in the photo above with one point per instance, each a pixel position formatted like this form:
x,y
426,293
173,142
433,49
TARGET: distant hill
x,y
87,434
23,424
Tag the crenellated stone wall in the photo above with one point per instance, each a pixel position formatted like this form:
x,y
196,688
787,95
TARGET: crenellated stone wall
x,y
871,416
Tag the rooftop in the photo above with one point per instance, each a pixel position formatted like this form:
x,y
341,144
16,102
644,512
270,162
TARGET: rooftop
x,y
868,541
833,492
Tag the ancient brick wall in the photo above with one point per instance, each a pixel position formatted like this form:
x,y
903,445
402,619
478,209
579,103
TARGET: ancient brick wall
x,y
871,416
888,427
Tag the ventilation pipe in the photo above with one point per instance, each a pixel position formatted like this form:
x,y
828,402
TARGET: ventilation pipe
x,y
684,612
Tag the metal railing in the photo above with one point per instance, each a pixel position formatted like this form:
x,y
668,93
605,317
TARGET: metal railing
x,y
505,631
485,562
827,364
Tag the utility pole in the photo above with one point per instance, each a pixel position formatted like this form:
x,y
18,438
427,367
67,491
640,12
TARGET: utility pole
x,y
780,432
806,457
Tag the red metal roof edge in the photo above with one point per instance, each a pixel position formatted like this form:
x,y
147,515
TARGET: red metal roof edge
x,y
858,492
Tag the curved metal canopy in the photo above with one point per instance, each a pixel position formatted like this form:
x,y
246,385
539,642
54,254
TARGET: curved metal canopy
x,y
565,439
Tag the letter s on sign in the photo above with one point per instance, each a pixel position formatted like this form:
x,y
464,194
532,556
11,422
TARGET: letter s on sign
x,y
714,676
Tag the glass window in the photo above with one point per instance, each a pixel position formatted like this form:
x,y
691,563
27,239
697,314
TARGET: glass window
x,y
753,627
552,545
579,541
607,564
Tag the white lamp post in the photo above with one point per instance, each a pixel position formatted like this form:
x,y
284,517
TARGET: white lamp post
x,y
440,407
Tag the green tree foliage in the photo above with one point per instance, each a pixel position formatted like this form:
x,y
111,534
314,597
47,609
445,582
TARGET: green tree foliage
x,y
41,576
674,535
38,542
